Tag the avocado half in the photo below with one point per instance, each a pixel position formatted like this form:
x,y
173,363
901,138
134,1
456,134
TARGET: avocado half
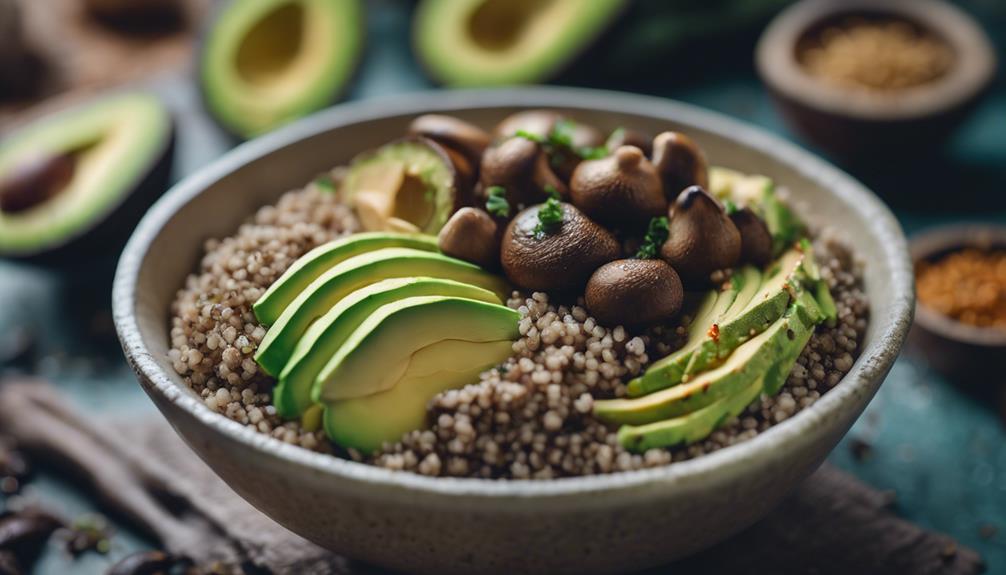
x,y
114,159
267,62
494,42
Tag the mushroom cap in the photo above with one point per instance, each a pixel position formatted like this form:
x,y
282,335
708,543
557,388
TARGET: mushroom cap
x,y
537,122
701,238
634,292
452,133
622,189
680,163
756,239
521,167
625,137
559,259
471,235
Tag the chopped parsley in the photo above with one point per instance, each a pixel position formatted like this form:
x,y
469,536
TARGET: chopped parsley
x,y
552,192
656,235
559,142
325,183
549,215
729,207
496,203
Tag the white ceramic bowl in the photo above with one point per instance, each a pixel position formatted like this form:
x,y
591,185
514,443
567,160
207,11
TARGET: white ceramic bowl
x,y
602,524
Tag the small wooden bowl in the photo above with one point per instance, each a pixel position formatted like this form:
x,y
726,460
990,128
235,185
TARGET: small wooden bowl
x,y
960,351
856,124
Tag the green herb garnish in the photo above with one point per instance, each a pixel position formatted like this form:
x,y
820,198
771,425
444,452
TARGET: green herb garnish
x,y
559,141
549,215
729,207
496,203
656,235
325,183
552,192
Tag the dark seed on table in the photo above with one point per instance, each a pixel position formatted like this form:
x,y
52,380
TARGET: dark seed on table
x,y
861,450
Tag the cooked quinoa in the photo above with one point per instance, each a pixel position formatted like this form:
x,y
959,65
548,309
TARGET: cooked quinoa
x,y
530,417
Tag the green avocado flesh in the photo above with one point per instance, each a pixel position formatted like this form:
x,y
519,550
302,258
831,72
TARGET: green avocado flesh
x,y
267,62
494,42
352,274
710,343
326,335
383,349
407,183
115,141
746,364
690,428
308,267
365,423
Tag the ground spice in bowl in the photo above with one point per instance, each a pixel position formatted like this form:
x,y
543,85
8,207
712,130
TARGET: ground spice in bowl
x,y
968,285
880,55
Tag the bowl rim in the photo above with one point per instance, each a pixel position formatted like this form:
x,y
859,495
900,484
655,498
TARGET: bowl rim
x,y
865,376
946,238
973,68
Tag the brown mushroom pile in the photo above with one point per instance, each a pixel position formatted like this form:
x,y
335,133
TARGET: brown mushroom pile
x,y
622,220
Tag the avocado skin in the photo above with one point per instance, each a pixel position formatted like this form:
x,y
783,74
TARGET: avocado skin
x,y
108,234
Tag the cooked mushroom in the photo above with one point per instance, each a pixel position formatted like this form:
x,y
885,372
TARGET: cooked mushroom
x,y
536,122
558,258
680,163
701,237
521,167
35,180
634,292
625,137
471,235
756,240
453,133
620,190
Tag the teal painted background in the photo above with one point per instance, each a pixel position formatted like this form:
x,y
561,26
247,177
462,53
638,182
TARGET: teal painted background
x,y
943,452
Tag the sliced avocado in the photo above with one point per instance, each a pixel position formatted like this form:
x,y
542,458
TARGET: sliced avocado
x,y
411,184
689,428
357,272
747,363
766,306
309,266
326,335
758,193
365,423
727,303
494,42
697,425
713,307
267,62
776,376
379,352
95,168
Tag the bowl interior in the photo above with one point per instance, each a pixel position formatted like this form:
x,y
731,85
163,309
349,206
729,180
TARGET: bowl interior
x,y
212,204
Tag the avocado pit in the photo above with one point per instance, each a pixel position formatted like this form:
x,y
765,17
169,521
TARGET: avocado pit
x,y
35,180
